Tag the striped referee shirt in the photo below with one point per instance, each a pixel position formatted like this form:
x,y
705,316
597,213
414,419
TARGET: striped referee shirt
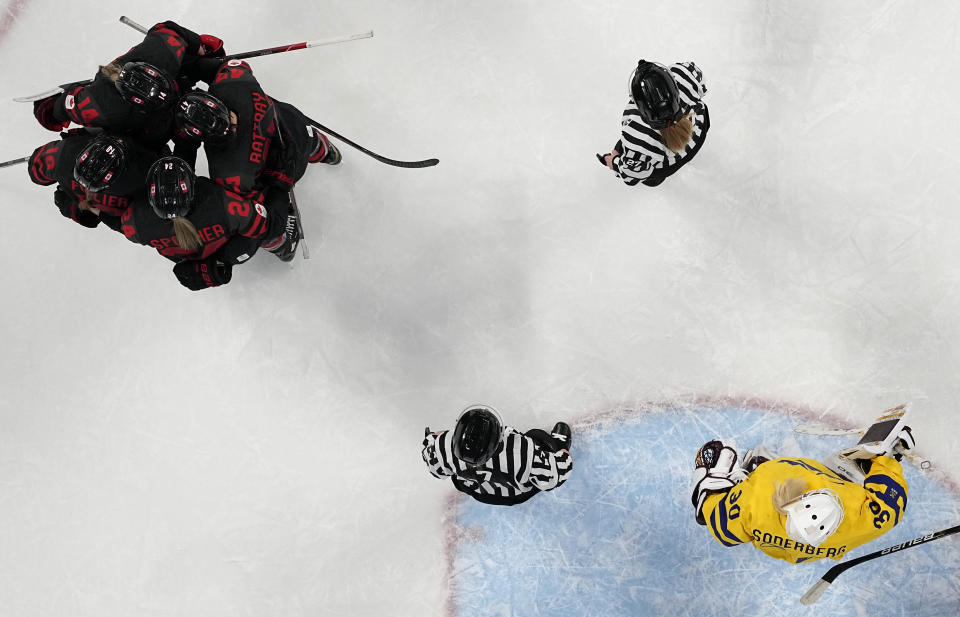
x,y
519,465
642,149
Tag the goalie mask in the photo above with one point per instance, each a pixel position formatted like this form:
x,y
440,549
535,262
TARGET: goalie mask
x,y
477,435
656,95
814,516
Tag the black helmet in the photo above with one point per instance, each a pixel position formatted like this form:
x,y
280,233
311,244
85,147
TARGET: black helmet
x,y
655,93
170,187
202,116
100,162
477,435
145,85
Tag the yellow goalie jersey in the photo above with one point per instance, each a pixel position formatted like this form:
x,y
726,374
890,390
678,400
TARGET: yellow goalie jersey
x,y
746,512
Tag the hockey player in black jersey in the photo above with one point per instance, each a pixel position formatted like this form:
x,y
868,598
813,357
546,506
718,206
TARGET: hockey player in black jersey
x,y
250,139
135,93
203,227
298,144
664,123
235,120
497,464
97,174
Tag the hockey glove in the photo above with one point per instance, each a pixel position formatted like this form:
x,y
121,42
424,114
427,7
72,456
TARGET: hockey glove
x,y
716,472
43,112
905,441
211,46
69,206
197,274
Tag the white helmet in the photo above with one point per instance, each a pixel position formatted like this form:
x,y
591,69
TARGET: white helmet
x,y
813,516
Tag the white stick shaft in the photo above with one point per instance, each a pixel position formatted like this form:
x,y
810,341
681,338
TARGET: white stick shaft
x,y
126,20
341,39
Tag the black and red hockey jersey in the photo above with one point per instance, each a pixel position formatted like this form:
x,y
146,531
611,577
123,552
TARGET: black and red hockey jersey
x,y
219,216
53,163
291,149
236,162
99,104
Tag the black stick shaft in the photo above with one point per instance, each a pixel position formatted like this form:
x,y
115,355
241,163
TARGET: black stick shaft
x,y
817,590
838,569
382,159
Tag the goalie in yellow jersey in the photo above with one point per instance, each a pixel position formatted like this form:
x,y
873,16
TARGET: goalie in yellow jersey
x,y
799,509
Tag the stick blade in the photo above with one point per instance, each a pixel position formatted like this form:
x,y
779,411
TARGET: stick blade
x,y
813,594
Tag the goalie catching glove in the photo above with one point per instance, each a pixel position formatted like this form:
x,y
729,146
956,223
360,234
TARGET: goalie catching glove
x,y
716,472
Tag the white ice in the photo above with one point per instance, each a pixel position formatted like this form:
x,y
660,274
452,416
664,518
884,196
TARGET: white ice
x,y
254,450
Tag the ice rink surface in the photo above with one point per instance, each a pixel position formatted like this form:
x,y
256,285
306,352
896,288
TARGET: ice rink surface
x,y
253,450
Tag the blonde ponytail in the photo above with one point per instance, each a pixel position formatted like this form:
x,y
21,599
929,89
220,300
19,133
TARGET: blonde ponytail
x,y
678,134
787,491
111,70
187,236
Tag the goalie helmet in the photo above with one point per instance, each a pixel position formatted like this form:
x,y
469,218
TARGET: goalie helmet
x,y
170,183
145,86
477,435
100,162
655,93
813,516
202,116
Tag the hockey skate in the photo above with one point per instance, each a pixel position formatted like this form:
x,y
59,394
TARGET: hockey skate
x,y
287,249
562,434
324,151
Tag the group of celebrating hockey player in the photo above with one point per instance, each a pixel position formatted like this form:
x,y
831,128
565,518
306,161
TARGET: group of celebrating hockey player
x,y
119,169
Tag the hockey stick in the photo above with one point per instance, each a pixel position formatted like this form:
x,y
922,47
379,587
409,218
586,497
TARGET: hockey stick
x,y
240,56
50,92
126,20
14,162
271,50
42,95
382,159
813,594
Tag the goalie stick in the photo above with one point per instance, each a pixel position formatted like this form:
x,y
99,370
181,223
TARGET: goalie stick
x,y
816,591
